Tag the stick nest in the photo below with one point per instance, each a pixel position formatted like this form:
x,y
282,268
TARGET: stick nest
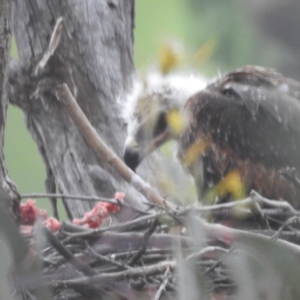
x,y
164,253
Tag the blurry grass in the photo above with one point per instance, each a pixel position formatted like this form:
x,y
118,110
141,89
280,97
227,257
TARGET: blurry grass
x,y
22,157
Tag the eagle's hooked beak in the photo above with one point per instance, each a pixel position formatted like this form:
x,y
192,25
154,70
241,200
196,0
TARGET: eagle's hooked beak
x,y
135,153
132,154
167,125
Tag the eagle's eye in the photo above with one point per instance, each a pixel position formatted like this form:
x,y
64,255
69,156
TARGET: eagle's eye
x,y
161,124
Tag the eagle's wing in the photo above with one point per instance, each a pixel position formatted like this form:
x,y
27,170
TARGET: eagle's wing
x,y
254,112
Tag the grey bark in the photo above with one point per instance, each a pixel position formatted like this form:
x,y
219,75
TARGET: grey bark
x,y
8,194
97,46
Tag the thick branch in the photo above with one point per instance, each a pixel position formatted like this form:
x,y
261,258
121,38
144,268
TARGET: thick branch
x,y
8,193
96,43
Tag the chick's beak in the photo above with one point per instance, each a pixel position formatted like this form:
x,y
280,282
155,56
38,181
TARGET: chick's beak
x,y
132,154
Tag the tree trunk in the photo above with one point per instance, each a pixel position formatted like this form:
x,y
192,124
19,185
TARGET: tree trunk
x,y
8,194
95,58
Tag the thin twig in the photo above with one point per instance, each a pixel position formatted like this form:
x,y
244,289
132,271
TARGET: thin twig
x,y
53,43
80,266
143,248
217,230
290,174
218,262
138,223
102,279
163,285
286,224
210,251
75,197
106,259
84,198
170,211
241,205
111,242
272,203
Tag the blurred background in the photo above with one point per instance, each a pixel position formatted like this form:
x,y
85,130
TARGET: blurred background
x,y
207,36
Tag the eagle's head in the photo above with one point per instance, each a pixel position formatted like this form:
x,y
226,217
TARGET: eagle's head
x,y
155,113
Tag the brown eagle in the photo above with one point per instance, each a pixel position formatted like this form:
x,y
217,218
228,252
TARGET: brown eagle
x,y
246,122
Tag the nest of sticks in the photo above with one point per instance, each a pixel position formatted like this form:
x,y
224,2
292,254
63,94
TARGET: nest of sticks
x,y
165,253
